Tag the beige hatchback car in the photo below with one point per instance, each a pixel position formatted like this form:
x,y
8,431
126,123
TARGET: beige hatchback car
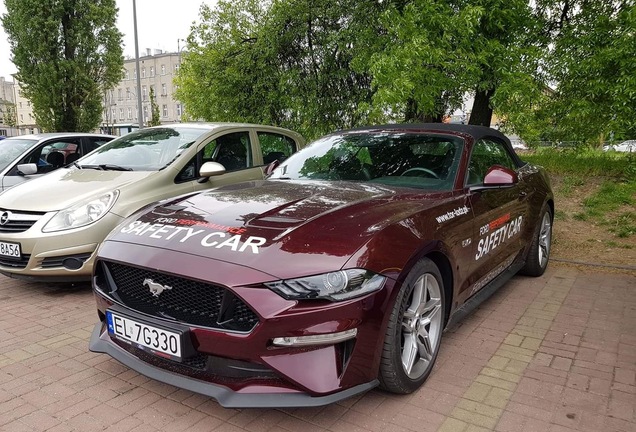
x,y
51,226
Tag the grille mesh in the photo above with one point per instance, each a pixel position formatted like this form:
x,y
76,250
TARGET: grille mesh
x,y
15,263
187,301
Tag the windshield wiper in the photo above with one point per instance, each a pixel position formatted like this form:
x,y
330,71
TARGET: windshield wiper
x,y
76,165
110,167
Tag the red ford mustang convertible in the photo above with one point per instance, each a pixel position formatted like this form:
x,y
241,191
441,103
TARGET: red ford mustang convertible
x,y
337,274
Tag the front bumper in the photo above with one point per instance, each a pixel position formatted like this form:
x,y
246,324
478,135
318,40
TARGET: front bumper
x,y
100,342
270,375
64,256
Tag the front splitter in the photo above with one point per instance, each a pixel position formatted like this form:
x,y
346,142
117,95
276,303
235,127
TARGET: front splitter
x,y
223,395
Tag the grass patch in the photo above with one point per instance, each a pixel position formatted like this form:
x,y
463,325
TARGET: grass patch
x,y
560,215
584,162
569,183
606,205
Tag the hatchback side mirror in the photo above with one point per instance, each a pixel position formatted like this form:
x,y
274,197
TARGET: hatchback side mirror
x,y
211,169
27,169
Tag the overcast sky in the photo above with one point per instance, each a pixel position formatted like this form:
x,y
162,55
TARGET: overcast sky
x,y
160,23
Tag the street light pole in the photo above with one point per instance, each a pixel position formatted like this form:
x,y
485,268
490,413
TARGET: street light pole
x,y
140,114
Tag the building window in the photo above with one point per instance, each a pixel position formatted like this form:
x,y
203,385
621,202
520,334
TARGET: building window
x,y
127,74
145,112
135,73
127,92
165,110
113,114
22,117
176,67
143,72
121,113
152,71
164,89
129,112
144,93
163,69
120,94
20,104
178,110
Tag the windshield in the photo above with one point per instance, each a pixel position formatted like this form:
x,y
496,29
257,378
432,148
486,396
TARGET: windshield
x,y
11,148
145,150
418,160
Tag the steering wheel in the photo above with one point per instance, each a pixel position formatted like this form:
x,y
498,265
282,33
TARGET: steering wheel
x,y
423,170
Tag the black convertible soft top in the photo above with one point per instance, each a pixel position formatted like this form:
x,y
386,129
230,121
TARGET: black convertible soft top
x,y
474,131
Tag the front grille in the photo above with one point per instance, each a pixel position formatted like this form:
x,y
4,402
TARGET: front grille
x,y
52,262
15,263
17,222
187,301
205,367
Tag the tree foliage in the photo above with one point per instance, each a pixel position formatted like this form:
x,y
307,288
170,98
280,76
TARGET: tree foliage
x,y
67,53
154,109
550,69
288,62
591,64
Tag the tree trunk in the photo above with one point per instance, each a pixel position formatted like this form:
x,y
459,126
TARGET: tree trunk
x,y
481,113
413,114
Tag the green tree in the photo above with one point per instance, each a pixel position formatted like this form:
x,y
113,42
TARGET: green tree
x,y
154,109
67,52
591,64
288,62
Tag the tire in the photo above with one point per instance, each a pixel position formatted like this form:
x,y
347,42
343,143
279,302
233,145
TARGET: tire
x,y
414,330
539,253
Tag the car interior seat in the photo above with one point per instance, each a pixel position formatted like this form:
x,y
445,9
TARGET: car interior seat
x,y
56,159
232,154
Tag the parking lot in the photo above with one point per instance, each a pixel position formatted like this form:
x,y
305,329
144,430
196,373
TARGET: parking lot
x,y
556,353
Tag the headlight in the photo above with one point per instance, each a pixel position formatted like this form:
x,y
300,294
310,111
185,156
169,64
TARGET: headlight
x,y
82,214
334,286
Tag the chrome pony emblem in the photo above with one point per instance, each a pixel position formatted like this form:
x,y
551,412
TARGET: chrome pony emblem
x,y
156,288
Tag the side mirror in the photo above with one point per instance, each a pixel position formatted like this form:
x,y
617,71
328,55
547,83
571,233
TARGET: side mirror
x,y
27,169
211,169
498,175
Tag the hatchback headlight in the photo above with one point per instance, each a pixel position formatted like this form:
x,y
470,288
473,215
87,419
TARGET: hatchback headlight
x,y
82,214
334,286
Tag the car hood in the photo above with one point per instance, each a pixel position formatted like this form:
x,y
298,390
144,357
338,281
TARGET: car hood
x,y
272,225
65,187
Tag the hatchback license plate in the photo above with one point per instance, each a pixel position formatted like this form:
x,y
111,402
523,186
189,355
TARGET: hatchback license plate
x,y
147,336
10,249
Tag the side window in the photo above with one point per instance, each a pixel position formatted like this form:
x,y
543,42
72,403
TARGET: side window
x,y
485,154
53,154
93,143
234,151
275,146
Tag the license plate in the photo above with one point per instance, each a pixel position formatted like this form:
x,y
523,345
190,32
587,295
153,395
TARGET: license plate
x,y
146,336
10,249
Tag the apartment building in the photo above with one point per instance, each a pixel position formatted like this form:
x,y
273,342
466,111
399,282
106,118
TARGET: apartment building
x,y
157,70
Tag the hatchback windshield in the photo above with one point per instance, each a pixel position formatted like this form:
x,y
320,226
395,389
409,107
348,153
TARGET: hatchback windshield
x,y
11,148
400,159
144,150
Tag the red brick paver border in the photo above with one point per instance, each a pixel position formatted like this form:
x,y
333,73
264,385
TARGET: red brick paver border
x,y
556,353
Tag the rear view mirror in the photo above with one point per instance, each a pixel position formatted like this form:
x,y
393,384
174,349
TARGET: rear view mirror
x,y
27,169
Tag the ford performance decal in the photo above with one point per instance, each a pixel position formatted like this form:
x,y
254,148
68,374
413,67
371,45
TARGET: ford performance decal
x,y
184,234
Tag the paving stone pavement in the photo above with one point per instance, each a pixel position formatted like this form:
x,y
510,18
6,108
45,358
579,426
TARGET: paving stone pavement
x,y
556,353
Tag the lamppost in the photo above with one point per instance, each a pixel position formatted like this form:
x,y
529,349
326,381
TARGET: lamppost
x,y
139,110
